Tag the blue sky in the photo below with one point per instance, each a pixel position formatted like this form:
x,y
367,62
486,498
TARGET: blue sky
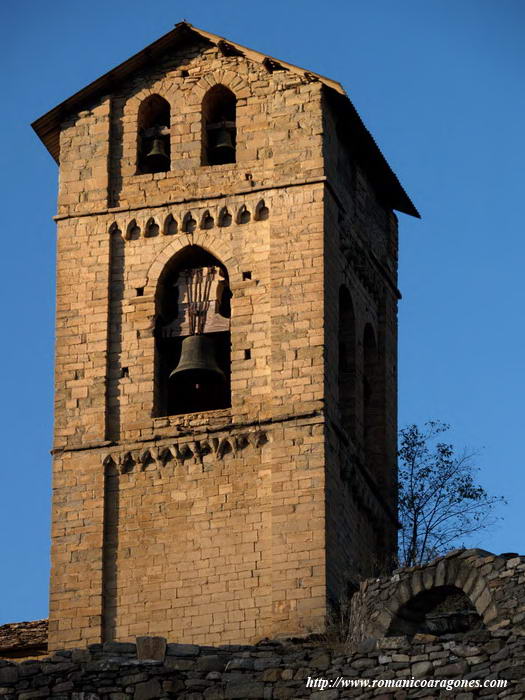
x,y
439,84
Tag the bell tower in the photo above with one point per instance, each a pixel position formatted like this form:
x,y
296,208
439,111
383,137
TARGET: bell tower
x,y
224,458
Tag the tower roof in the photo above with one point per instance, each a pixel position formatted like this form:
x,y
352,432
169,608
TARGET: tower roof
x,y
47,126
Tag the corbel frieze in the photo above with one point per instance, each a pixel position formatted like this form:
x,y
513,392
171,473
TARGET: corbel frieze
x,y
178,453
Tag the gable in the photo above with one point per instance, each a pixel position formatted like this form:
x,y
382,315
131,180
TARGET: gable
x,y
184,34
182,37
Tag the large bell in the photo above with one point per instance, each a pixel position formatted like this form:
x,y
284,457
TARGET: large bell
x,y
222,146
197,364
157,158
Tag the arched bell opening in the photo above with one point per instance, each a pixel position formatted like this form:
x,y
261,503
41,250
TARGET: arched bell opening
x,y
192,334
219,133
373,433
153,132
347,362
438,611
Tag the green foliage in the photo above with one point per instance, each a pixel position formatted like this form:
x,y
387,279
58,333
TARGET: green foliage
x,y
439,500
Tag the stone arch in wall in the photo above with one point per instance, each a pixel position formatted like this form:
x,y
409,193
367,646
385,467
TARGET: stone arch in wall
x,y
215,245
451,595
233,81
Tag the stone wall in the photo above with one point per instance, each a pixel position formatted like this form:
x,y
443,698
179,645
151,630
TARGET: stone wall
x,y
200,499
210,527
23,640
183,525
473,600
232,524
275,671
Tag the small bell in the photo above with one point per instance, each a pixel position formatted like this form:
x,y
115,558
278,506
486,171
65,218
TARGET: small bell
x,y
157,158
223,150
197,364
197,383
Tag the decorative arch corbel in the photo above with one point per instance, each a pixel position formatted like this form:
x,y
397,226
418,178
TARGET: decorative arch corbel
x,y
133,231
261,211
243,215
170,227
152,228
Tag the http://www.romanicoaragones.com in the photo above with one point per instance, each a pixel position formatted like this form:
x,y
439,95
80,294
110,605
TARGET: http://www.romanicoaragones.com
x,y
399,683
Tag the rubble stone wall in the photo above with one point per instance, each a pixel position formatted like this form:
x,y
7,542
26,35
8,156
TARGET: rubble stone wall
x,y
364,649
275,671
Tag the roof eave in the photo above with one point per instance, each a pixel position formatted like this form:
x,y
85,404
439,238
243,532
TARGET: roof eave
x,y
368,152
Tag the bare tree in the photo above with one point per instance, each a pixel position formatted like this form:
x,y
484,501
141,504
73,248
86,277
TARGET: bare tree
x,y
439,500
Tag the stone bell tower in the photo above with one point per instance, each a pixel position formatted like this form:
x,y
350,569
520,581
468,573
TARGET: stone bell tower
x,y
225,406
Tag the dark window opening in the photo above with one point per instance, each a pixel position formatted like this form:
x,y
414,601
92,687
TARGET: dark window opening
x,y
153,147
248,354
140,291
192,335
219,133
247,275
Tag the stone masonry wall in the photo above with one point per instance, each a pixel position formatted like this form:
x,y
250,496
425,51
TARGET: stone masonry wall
x,y
209,527
494,585
98,146
360,257
276,671
235,524
220,499
490,657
